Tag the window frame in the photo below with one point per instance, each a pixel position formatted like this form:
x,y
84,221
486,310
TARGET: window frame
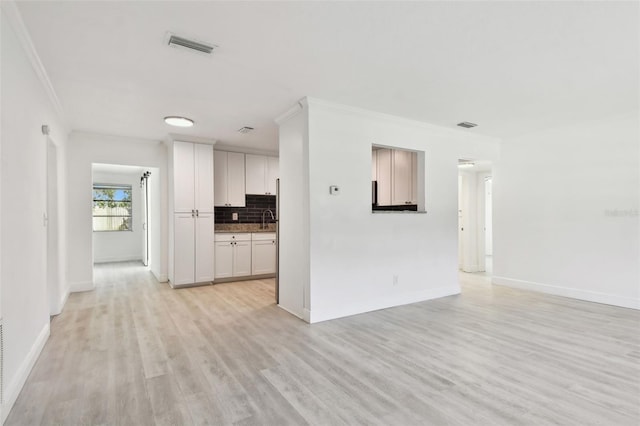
x,y
114,186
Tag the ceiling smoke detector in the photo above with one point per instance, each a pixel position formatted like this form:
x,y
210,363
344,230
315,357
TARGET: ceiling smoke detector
x,y
466,125
245,129
173,40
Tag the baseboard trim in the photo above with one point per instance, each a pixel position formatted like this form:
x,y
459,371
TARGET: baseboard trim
x,y
81,286
570,292
360,307
14,388
162,278
61,303
292,312
116,259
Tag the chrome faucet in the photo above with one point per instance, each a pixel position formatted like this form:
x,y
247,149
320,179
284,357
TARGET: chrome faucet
x,y
272,217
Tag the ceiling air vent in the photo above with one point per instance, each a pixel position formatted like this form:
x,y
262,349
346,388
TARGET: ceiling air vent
x,y
245,129
185,43
466,125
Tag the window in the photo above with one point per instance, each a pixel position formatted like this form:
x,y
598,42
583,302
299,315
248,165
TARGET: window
x,y
111,207
397,177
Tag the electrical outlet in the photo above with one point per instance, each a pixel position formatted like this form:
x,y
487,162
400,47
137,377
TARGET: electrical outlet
x,y
234,216
395,280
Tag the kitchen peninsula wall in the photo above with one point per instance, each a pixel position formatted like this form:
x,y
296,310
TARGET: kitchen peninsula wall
x,y
252,213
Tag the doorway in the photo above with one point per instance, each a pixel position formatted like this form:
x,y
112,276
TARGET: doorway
x,y
475,242
52,220
126,215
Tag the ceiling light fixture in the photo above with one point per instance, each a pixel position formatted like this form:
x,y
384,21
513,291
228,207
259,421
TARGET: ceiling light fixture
x,y
174,120
466,125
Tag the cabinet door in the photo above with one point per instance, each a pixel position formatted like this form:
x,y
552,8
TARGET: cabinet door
x,y
414,178
384,177
374,165
235,179
204,247
224,259
263,257
183,177
401,180
255,172
220,178
242,258
204,177
273,173
184,248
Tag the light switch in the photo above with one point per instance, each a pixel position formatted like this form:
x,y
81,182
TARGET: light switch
x,y
234,216
334,190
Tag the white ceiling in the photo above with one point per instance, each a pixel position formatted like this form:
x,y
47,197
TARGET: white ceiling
x,y
512,67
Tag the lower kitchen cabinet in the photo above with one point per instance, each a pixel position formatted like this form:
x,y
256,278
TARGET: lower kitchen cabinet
x,y
263,254
232,255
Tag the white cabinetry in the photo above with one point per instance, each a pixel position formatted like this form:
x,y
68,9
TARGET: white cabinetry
x,y
261,174
403,181
396,174
263,253
232,255
193,220
192,177
229,179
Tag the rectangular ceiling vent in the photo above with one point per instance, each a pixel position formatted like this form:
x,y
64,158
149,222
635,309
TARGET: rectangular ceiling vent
x,y
466,125
245,129
185,43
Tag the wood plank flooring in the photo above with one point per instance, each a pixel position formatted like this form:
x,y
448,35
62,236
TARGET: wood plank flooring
x,y
135,352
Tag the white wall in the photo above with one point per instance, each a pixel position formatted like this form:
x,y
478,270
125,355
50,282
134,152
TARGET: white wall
x,y
353,253
26,104
293,215
125,245
566,211
85,149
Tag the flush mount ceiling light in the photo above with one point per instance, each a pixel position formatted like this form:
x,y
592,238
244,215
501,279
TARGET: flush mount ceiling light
x,y
465,164
245,129
466,125
174,120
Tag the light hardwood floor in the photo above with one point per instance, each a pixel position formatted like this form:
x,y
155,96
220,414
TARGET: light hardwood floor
x,y
135,352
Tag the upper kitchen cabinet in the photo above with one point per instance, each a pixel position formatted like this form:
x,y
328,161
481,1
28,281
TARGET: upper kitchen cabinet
x,y
395,172
229,179
404,164
261,174
192,177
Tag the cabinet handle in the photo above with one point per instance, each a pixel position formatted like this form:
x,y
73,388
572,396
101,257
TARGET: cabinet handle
x,y
197,213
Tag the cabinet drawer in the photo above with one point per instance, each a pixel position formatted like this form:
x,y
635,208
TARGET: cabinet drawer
x,y
263,236
228,236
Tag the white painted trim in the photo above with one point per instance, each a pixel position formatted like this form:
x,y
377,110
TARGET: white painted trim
x,y
162,278
439,130
14,388
113,259
81,286
61,303
292,312
573,293
291,112
10,8
359,307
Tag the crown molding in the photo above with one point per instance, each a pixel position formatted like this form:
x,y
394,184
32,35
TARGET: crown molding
x,y
10,9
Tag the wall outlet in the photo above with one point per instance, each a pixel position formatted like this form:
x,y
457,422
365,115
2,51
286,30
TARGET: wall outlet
x,y
395,280
234,216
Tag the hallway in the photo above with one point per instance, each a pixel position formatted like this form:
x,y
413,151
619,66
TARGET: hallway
x,y
136,352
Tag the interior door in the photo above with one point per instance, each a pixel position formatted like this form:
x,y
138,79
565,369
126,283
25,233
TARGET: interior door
x,y
144,196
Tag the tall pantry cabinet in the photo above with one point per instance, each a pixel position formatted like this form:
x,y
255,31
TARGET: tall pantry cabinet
x,y
192,246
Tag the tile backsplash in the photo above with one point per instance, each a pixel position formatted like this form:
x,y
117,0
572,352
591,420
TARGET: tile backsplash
x,y
252,213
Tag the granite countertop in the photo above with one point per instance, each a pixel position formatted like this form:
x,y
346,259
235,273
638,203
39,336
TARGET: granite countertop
x,y
243,227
